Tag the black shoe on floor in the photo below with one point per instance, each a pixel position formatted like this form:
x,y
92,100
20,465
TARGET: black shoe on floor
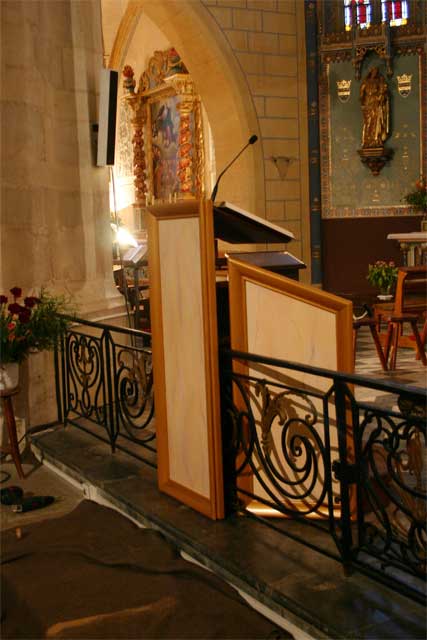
x,y
11,495
32,503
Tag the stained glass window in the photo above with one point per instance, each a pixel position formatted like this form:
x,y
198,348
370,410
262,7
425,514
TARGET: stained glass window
x,y
363,13
347,14
394,11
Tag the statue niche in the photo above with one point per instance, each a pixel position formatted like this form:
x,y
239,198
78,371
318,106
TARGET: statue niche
x,y
375,104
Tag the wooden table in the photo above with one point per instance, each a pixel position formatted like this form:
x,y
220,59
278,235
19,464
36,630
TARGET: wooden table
x,y
413,247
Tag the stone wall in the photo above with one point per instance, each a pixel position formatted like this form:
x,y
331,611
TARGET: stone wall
x,y
55,211
267,38
55,214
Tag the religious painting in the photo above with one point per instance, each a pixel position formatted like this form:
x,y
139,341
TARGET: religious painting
x,y
168,153
164,125
164,121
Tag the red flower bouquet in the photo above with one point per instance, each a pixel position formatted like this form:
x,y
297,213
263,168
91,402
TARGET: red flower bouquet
x,y
30,324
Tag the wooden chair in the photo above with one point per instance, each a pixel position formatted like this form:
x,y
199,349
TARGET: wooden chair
x,y
395,334
136,294
410,306
371,323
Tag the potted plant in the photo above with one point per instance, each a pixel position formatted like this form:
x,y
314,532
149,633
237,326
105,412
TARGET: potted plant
x,y
418,200
383,276
28,325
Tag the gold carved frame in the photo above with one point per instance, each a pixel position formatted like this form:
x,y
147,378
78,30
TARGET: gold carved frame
x,y
168,153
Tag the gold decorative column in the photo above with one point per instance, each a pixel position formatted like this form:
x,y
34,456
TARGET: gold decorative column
x,y
184,87
138,123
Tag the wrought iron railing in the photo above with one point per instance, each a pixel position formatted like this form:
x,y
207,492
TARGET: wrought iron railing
x,y
346,477
105,385
303,453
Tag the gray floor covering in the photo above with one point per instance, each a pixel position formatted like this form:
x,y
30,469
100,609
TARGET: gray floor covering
x,y
308,590
38,481
93,574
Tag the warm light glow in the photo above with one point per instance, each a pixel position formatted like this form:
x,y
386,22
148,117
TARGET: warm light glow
x,y
123,236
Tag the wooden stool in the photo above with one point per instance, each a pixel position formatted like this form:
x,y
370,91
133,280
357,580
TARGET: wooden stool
x,y
9,419
372,324
394,333
424,334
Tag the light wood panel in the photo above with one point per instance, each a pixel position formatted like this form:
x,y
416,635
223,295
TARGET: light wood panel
x,y
185,367
306,307
277,317
185,360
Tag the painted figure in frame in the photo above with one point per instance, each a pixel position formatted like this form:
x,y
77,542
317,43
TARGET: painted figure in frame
x,y
165,127
374,98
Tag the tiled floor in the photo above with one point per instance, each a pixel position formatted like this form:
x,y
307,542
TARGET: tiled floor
x,y
409,370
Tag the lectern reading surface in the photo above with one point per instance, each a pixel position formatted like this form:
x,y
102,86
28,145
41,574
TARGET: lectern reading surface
x,y
281,262
238,226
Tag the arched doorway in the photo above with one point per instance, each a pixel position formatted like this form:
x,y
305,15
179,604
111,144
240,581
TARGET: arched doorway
x,y
215,72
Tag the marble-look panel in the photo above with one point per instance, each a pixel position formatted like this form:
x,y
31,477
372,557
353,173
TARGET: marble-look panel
x,y
281,326
296,331
184,358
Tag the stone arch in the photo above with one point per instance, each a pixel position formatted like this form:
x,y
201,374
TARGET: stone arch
x,y
219,80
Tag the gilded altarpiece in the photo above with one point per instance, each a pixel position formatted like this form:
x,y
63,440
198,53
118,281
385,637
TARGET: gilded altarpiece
x,y
349,188
167,140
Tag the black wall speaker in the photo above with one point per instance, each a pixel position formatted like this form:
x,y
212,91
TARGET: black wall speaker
x,y
107,117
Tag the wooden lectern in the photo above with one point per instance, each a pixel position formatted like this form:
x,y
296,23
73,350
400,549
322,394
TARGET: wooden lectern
x,y
184,325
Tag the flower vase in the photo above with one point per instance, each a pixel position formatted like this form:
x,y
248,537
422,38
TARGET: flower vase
x,y
9,376
424,221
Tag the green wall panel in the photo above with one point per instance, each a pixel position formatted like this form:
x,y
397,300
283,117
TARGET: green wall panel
x,y
353,190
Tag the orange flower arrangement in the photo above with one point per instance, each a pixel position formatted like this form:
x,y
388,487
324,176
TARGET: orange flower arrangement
x,y
418,198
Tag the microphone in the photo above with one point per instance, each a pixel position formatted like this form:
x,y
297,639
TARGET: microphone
x,y
251,140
